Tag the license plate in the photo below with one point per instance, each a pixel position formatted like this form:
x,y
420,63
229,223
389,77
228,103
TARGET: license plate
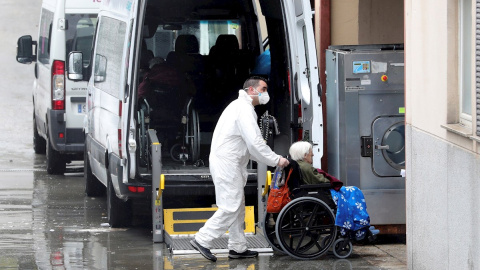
x,y
81,108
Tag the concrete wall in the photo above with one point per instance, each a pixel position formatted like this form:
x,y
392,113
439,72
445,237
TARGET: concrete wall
x,y
356,22
443,206
443,167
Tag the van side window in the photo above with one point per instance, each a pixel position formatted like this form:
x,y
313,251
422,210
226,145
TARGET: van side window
x,y
45,34
108,55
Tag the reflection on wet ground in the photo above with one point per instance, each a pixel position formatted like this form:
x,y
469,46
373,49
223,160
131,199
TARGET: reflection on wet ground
x,y
48,223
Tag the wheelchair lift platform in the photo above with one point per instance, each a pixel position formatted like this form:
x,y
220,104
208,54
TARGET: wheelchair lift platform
x,y
176,227
180,226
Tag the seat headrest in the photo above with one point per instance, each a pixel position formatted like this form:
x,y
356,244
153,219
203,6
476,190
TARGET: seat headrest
x,y
225,42
145,57
187,44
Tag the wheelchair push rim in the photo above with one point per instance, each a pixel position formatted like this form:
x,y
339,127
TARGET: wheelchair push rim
x,y
305,228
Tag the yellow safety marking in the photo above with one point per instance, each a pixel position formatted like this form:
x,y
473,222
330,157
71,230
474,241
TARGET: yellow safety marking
x,y
167,264
401,110
161,184
159,191
156,143
267,184
169,222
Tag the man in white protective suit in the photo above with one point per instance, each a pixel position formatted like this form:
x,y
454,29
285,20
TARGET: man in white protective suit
x,y
236,140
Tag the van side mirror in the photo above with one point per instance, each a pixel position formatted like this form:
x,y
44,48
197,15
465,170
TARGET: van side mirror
x,y
75,66
100,68
24,50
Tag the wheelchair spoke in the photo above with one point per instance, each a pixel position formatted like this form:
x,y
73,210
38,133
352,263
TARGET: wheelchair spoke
x,y
305,228
327,228
300,241
312,216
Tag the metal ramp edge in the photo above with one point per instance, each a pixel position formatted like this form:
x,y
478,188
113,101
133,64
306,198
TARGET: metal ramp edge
x,y
180,244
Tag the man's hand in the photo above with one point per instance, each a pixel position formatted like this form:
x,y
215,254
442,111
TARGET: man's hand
x,y
283,162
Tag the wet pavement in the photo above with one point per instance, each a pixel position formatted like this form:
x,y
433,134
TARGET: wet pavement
x,y
46,222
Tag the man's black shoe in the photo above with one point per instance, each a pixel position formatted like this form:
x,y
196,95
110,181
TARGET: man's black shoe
x,y
246,254
204,251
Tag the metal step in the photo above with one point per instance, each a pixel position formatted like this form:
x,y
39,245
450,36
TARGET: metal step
x,y
180,244
180,226
185,221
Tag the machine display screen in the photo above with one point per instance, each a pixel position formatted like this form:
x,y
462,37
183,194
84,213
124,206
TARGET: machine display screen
x,y
361,67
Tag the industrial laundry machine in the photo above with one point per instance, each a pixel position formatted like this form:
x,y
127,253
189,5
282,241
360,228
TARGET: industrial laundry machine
x,y
366,125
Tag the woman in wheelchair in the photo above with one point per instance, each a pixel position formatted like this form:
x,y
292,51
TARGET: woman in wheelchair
x,y
351,216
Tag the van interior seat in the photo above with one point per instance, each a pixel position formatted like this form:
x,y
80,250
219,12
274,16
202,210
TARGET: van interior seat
x,y
166,90
145,56
186,57
224,69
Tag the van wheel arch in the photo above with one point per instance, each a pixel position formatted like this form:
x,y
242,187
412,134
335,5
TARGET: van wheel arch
x,y
119,212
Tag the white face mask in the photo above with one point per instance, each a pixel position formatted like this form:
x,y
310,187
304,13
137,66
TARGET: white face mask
x,y
263,98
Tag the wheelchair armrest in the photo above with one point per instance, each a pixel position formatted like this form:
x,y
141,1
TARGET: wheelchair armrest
x,y
302,190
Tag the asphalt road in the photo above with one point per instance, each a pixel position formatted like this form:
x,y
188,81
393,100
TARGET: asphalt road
x,y
47,222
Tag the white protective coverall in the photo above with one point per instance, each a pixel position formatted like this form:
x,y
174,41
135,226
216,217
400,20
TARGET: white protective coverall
x,y
236,140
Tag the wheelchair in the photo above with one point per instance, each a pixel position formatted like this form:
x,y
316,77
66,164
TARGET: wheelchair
x,y
173,124
305,227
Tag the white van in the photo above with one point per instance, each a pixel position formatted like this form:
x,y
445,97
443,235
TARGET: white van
x,y
203,50
59,102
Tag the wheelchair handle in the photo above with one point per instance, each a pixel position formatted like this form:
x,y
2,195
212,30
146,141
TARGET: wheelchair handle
x,y
267,183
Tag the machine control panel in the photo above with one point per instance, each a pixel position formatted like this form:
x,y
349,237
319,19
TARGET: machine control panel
x,y
367,146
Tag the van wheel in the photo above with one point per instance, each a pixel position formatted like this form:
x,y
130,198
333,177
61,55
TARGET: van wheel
x,y
119,212
56,162
93,187
39,143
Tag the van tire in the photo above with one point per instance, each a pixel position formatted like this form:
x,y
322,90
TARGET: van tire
x,y
39,143
93,187
119,212
56,163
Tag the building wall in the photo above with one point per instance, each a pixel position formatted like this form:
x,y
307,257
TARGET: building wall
x,y
443,167
443,214
344,22
355,22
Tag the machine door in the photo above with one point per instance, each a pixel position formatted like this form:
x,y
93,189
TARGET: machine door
x,y
298,17
389,145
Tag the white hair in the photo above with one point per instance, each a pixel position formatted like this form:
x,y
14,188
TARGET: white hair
x,y
299,150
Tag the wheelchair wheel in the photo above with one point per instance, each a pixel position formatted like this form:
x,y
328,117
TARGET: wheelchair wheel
x,y
269,233
342,248
305,228
194,135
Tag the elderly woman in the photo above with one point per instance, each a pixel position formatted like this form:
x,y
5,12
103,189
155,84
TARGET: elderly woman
x,y
351,207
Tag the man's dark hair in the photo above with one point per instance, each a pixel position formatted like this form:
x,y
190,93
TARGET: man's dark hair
x,y
253,81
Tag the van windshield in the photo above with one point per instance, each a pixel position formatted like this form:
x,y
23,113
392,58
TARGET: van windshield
x,y
79,34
